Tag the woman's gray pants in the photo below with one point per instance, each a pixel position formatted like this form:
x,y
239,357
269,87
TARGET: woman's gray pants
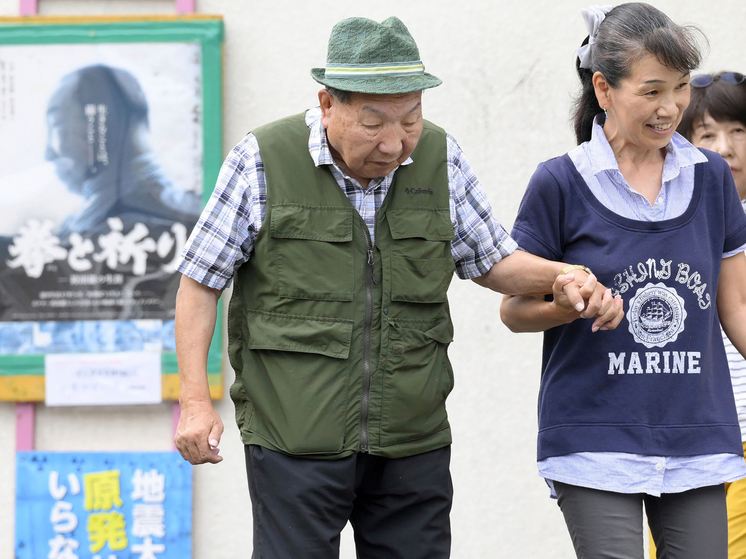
x,y
607,525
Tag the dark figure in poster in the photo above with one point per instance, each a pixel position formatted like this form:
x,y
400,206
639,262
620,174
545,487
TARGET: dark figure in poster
x,y
113,258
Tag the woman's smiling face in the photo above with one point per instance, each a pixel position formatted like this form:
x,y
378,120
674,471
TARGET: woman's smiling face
x,y
646,108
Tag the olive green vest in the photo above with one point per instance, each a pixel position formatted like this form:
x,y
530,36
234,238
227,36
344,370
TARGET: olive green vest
x,y
340,346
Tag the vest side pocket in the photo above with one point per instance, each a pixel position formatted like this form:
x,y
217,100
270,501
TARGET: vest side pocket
x,y
299,408
417,379
314,257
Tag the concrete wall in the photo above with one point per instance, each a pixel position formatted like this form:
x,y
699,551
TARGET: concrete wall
x,y
508,79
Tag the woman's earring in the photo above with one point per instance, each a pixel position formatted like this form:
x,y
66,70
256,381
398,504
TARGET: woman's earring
x,y
606,113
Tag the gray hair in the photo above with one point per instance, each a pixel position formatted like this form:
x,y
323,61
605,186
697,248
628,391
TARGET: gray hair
x,y
339,94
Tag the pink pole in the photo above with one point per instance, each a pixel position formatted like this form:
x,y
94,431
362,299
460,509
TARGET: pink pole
x,y
25,426
29,7
185,6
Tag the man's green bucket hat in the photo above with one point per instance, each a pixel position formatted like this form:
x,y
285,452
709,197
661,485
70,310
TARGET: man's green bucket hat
x,y
365,56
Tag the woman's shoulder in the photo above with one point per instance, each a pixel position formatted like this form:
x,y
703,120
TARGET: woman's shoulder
x,y
557,162
557,170
714,161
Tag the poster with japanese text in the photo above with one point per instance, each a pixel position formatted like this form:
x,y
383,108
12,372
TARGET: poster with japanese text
x,y
129,505
110,143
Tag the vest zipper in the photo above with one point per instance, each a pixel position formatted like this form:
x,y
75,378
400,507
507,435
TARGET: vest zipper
x,y
370,278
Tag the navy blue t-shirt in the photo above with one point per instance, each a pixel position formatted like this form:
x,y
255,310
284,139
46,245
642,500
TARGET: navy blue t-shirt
x,y
658,384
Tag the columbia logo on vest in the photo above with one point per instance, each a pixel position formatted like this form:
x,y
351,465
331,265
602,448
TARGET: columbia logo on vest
x,y
419,191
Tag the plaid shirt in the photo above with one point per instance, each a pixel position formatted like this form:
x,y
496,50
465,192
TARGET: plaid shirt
x,y
224,236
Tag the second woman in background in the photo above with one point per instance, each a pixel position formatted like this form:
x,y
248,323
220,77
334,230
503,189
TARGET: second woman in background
x,y
716,120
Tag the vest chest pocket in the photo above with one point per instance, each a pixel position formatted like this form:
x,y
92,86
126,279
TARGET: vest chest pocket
x,y
421,262
313,248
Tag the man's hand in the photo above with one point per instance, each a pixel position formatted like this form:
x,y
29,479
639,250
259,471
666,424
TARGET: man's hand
x,y
581,292
199,430
198,433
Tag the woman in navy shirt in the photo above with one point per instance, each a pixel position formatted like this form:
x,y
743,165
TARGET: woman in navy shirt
x,y
643,414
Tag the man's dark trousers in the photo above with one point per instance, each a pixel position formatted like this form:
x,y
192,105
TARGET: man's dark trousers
x,y
398,508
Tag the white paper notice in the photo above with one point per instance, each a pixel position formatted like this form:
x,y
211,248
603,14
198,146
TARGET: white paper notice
x,y
80,379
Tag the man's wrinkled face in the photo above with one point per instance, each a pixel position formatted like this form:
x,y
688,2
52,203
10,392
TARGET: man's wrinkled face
x,y
371,135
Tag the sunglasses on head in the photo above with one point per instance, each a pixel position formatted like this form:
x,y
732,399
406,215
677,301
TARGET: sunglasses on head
x,y
704,80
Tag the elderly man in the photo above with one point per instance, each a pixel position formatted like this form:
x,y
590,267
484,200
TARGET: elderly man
x,y
342,227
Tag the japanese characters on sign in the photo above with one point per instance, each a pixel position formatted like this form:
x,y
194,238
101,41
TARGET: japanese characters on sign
x,y
36,245
103,506
102,379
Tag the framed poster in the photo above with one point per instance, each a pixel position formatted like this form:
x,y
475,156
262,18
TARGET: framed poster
x,y
96,505
110,144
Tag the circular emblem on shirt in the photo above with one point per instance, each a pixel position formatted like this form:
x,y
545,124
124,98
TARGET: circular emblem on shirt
x,y
656,315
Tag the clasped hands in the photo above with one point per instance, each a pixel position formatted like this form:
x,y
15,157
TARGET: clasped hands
x,y
580,295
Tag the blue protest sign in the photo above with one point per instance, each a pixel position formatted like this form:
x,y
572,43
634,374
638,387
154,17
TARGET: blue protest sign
x,y
83,505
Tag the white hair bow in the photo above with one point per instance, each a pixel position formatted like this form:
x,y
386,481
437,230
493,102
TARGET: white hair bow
x,y
593,16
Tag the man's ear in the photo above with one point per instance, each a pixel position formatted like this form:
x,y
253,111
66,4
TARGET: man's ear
x,y
326,102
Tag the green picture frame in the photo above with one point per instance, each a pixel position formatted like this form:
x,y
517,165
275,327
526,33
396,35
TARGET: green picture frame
x,y
22,374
